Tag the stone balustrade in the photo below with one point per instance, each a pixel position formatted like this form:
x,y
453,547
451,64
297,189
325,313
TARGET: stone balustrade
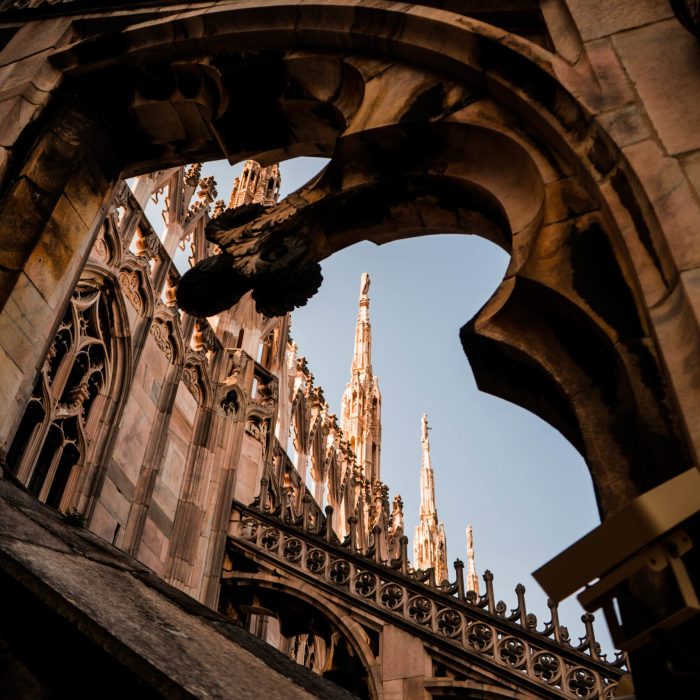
x,y
545,659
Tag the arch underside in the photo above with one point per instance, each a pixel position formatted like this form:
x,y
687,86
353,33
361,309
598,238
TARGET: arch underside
x,y
349,652
450,159
451,132
432,123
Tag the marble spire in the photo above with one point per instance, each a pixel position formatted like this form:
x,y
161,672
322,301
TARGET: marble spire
x,y
429,542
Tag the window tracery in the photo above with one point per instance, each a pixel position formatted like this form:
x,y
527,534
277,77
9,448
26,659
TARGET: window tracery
x,y
51,443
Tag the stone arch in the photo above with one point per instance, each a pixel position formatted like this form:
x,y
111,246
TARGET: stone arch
x,y
79,399
172,107
560,255
231,400
350,630
196,378
122,370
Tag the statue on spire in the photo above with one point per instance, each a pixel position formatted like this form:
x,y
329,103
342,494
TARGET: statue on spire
x,y
364,284
472,578
424,428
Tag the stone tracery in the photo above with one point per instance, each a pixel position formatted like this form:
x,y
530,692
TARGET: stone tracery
x,y
52,443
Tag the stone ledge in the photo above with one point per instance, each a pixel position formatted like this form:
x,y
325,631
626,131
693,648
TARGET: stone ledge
x,y
155,633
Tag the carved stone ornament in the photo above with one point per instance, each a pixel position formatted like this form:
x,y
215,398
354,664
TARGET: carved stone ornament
x,y
230,404
147,245
170,291
121,194
237,360
257,430
203,337
190,377
258,254
161,334
268,393
192,174
131,285
101,248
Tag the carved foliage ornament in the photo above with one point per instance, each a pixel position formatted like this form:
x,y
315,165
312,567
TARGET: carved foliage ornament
x,y
257,429
161,332
131,286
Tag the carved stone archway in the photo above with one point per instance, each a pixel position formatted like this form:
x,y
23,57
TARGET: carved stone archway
x,y
433,121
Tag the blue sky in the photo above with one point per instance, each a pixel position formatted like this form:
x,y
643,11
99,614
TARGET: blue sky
x,y
522,486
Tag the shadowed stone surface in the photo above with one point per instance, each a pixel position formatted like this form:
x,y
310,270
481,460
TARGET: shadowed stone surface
x,y
172,644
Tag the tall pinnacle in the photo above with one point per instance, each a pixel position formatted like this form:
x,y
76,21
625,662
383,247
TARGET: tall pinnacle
x,y
427,477
362,356
429,542
361,405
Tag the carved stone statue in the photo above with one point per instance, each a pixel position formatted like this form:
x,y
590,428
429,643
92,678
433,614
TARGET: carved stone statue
x,y
364,284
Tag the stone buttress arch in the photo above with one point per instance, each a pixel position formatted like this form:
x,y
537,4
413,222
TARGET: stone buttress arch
x,y
467,48
598,229
350,630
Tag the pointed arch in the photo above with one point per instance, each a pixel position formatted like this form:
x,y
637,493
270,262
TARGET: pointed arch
x,y
79,395
165,330
137,286
275,590
196,378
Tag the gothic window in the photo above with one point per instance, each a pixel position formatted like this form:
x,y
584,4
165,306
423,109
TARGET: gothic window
x,y
51,442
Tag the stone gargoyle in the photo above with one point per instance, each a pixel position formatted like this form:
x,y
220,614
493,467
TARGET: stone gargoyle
x,y
265,250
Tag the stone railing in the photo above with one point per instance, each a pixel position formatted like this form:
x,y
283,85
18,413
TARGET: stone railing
x,y
544,660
